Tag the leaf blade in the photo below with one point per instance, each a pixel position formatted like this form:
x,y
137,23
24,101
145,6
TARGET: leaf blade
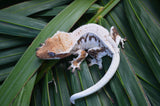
x,y
31,7
148,41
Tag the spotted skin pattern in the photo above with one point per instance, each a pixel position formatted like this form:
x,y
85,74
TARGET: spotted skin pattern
x,y
91,39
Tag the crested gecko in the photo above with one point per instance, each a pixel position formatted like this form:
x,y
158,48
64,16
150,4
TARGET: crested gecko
x,y
90,39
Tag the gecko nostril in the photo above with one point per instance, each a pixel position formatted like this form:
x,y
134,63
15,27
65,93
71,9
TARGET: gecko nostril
x,y
51,54
37,48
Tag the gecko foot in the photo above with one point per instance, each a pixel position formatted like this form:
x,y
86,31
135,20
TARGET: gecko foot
x,y
92,62
123,40
96,61
73,67
75,63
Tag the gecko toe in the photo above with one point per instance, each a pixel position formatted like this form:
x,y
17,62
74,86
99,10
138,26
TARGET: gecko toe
x,y
69,68
73,68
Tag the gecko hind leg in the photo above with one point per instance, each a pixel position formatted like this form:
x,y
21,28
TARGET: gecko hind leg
x,y
96,61
96,54
116,37
75,63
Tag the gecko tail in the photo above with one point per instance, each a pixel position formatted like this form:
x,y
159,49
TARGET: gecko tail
x,y
102,82
72,99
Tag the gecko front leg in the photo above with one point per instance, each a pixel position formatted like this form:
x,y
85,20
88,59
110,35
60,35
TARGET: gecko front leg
x,y
75,63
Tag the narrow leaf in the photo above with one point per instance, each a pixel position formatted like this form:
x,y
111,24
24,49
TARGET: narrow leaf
x,y
19,25
11,55
34,6
146,32
45,91
62,86
104,10
23,98
7,42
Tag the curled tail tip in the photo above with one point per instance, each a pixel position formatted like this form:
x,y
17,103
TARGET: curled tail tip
x,y
72,100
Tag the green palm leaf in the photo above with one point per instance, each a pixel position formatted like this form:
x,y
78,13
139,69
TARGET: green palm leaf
x,y
31,7
145,31
35,82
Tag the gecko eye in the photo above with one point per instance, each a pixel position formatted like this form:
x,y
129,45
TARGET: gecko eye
x,y
41,44
51,54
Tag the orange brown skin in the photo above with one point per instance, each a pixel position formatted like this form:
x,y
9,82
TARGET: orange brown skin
x,y
54,45
80,59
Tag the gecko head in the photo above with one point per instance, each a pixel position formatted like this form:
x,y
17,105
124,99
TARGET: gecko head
x,y
52,48
45,50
